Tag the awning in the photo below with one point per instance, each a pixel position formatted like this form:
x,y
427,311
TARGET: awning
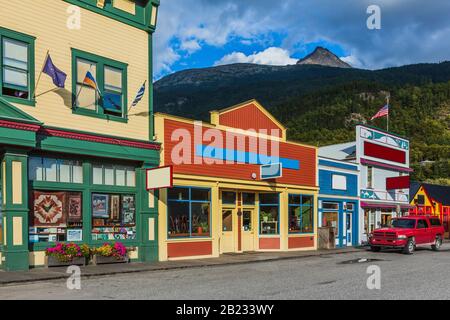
x,y
383,205
384,165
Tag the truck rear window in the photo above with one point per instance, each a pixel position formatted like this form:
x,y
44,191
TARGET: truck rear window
x,y
435,222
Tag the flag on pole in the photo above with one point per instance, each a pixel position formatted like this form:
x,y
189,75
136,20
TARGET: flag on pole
x,y
59,77
382,113
89,80
139,95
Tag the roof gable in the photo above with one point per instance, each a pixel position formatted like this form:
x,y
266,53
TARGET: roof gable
x,y
440,194
12,113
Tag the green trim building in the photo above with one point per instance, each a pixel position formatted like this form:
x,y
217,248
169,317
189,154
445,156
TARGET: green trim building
x,y
72,168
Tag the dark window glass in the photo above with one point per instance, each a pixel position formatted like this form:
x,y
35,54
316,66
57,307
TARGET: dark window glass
x,y
435,222
268,198
178,213
269,219
421,199
227,220
301,214
294,199
422,224
178,194
200,219
200,194
229,197
248,199
247,220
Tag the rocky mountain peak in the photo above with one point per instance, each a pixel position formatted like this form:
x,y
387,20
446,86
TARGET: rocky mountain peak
x,y
323,57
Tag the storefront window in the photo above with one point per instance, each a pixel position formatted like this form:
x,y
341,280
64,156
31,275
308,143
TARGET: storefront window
x,y
228,197
113,217
110,175
269,212
301,214
189,212
55,170
248,199
56,217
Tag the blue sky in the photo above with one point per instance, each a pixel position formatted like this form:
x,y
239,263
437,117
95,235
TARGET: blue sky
x,y
204,33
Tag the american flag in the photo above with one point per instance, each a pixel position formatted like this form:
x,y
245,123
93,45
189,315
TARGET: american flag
x,y
139,95
382,113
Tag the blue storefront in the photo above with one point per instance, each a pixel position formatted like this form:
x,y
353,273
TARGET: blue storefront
x,y
338,200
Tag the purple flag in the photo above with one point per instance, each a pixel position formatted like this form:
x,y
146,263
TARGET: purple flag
x,y
59,77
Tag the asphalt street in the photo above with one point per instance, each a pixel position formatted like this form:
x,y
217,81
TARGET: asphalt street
x,y
424,275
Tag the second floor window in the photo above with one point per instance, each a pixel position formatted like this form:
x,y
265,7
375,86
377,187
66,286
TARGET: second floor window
x,y
16,66
370,177
109,99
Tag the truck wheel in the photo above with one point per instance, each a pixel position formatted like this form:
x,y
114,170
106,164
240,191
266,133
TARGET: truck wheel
x,y
410,246
437,244
375,249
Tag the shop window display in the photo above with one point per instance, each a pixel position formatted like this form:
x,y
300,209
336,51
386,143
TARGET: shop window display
x,y
113,217
301,214
56,217
189,212
269,211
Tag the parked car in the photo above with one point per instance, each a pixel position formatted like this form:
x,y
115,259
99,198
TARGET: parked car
x,y
408,232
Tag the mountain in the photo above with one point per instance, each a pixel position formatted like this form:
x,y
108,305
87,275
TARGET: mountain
x,y
323,57
320,105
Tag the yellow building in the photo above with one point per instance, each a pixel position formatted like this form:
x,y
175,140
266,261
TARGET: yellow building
x,y
73,156
222,200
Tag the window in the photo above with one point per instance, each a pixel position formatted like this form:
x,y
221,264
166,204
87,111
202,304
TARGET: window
x,y
55,170
422,224
370,177
229,198
109,101
330,206
301,214
113,217
269,213
17,67
435,222
189,212
421,199
339,182
56,217
350,206
110,175
248,199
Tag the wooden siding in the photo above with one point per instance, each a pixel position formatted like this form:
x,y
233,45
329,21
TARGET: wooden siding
x,y
306,176
300,242
187,249
248,117
326,183
100,35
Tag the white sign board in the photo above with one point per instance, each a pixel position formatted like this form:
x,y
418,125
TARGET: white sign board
x,y
160,178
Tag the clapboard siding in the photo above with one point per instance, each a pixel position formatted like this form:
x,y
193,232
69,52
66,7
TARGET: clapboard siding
x,y
46,20
326,183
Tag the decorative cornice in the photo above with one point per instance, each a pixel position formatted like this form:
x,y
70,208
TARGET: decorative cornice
x,y
99,139
19,125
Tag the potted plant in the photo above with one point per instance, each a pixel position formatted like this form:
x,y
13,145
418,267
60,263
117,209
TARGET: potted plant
x,y
111,253
205,227
266,216
63,254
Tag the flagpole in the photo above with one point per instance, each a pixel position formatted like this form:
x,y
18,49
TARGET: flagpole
x,y
389,111
40,74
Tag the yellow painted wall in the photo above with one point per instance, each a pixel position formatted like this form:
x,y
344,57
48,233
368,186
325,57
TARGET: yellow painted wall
x,y
100,35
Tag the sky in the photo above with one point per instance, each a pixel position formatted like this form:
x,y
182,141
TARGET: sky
x,y
205,33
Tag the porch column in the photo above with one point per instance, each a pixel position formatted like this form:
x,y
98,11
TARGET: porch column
x,y
15,210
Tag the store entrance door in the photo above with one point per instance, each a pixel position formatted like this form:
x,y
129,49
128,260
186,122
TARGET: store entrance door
x,y
349,223
228,239
248,230
331,219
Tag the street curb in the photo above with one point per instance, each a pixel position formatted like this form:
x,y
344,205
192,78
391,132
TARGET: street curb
x,y
182,267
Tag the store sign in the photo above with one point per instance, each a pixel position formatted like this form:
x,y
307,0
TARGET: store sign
x,y
271,171
160,178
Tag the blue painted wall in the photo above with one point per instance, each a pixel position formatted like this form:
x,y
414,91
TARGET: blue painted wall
x,y
326,184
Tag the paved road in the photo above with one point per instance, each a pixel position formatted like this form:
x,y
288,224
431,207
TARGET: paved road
x,y
425,275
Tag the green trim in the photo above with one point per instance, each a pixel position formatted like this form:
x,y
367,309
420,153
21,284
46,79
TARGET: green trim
x,y
140,20
30,41
150,89
101,63
10,112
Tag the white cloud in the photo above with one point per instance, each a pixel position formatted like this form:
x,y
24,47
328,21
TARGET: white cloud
x,y
353,61
271,56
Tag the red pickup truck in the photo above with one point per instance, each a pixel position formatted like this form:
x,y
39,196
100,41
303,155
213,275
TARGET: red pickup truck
x,y
408,232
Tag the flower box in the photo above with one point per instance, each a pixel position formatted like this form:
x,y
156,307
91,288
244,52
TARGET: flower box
x,y
99,259
51,261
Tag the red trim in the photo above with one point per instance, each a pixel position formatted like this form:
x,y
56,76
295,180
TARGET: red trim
x,y
300,242
189,249
269,243
381,152
384,165
171,177
19,125
99,139
384,205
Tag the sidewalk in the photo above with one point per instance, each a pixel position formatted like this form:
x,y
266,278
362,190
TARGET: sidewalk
x,y
43,274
